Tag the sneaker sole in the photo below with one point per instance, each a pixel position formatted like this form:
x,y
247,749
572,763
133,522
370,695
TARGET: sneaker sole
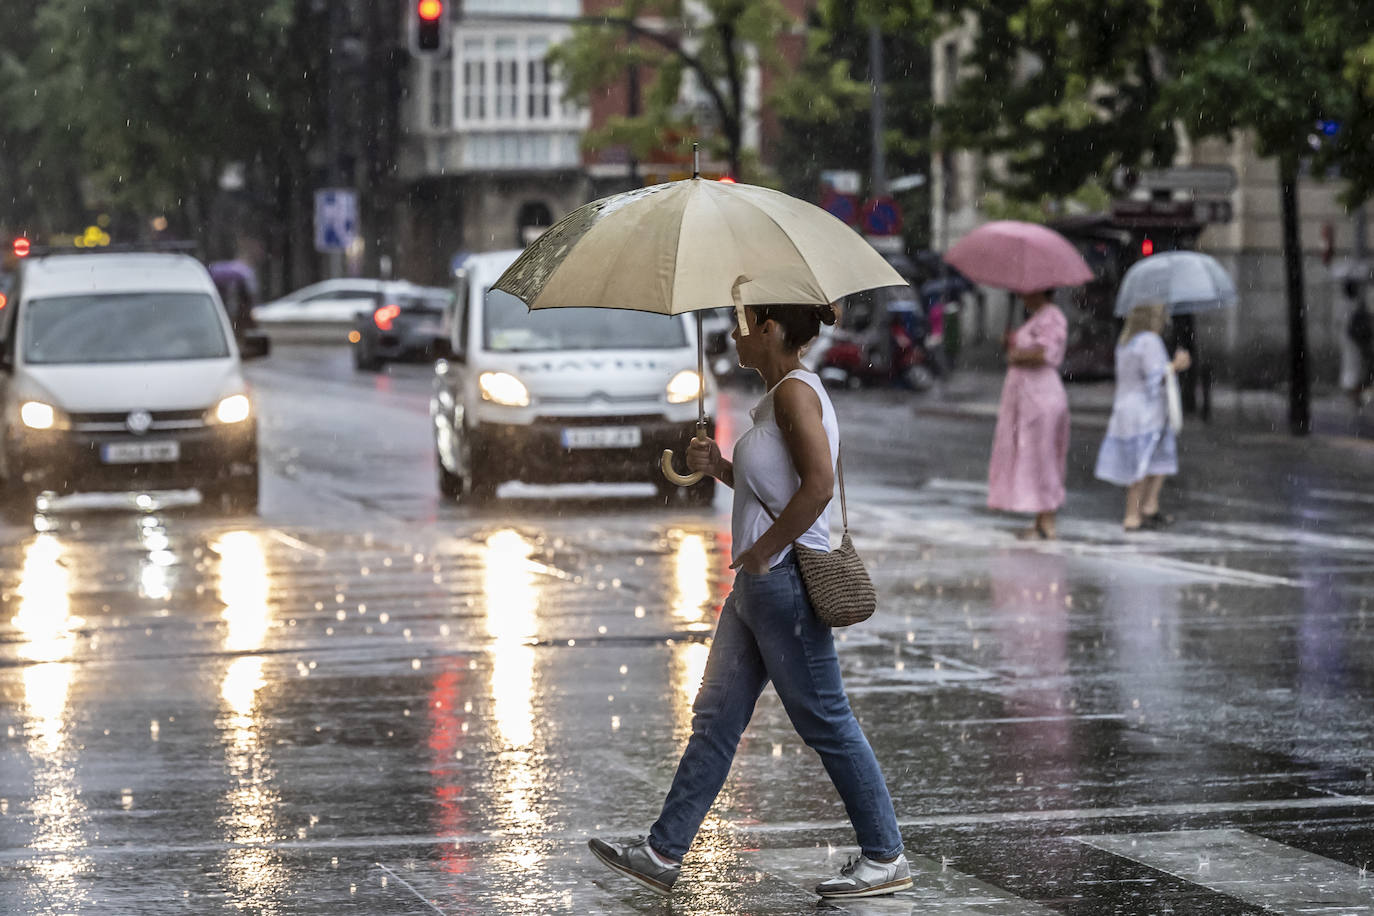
x,y
650,884
877,890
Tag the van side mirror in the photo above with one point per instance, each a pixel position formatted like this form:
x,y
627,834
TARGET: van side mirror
x,y
254,345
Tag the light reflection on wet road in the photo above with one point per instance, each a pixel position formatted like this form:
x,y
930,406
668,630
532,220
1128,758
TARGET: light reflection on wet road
x,y
367,701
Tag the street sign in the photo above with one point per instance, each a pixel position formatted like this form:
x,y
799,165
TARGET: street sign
x,y
844,207
840,181
1199,179
1212,211
1146,213
336,218
882,216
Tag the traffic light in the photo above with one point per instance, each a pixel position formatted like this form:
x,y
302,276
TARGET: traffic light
x,y
429,35
1147,247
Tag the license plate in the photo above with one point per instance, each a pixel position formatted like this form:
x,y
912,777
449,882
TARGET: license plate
x,y
139,452
601,437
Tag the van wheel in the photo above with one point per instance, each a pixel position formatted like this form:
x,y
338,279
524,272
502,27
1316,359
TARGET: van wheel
x,y
450,484
364,361
483,485
237,496
17,504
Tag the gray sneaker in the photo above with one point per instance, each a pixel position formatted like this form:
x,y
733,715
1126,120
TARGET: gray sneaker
x,y
636,862
862,877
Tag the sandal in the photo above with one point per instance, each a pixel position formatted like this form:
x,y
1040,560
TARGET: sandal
x,y
1156,521
1034,533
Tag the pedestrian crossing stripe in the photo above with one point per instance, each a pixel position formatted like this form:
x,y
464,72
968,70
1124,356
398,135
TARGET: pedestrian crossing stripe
x,y
1280,879
937,888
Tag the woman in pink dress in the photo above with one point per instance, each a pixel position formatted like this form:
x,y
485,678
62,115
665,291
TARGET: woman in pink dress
x,y
1030,448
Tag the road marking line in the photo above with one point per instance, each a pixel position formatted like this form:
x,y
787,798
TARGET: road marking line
x,y
296,543
410,887
999,818
1262,872
937,888
1342,496
1086,814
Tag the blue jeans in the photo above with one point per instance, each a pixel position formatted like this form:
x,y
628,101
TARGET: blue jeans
x,y
768,631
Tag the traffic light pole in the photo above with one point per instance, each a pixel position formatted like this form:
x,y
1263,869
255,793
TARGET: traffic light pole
x,y
333,144
1299,408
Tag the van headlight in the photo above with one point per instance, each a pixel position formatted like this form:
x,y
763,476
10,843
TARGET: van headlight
x,y
504,389
37,415
233,409
685,386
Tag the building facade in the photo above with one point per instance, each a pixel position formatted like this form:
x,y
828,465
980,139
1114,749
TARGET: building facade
x,y
491,152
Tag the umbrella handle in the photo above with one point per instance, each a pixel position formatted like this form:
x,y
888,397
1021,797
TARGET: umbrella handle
x,y
666,465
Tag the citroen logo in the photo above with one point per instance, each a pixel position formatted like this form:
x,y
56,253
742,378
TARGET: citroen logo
x,y
138,422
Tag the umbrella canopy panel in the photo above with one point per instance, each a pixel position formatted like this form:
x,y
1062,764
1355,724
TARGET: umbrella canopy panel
x,y
692,245
1187,282
1019,256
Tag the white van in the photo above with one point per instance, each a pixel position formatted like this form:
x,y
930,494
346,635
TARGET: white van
x,y
119,371
560,395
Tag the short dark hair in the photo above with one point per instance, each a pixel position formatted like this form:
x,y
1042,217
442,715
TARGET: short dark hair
x,y
799,323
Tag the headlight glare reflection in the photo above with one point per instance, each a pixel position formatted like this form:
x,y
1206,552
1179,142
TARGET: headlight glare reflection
x,y
37,415
233,409
685,386
503,388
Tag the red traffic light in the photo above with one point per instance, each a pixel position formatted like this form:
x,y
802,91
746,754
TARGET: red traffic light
x,y
22,247
1147,247
427,35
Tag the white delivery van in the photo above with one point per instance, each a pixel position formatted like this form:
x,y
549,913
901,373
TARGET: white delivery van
x,y
560,395
119,371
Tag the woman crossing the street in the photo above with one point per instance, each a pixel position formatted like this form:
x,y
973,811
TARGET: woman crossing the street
x,y
785,463
1140,447
1030,446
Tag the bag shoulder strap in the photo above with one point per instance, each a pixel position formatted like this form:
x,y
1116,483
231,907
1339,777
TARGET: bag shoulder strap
x,y
839,473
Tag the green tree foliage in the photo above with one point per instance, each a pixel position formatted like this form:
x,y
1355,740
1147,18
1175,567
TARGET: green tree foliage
x,y
673,47
148,100
824,109
1066,90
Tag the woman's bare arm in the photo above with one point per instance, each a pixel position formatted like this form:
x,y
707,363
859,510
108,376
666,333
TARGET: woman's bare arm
x,y
1027,357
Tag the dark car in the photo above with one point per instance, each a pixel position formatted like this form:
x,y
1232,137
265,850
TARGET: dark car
x,y
402,325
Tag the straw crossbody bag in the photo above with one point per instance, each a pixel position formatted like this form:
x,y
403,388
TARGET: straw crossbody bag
x,y
837,582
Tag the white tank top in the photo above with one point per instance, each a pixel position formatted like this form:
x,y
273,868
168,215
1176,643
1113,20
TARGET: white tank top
x,y
764,470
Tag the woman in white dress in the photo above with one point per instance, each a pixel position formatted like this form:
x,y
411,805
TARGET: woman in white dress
x,y
1140,448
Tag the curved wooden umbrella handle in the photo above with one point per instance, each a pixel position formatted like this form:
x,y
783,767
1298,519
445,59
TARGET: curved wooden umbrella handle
x,y
666,465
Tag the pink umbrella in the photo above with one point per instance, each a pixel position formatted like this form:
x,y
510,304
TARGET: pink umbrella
x,y
1021,257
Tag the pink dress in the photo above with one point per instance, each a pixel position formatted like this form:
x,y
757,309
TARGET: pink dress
x,y
1031,446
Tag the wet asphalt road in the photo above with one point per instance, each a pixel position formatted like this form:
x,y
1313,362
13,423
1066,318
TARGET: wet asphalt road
x,y
365,700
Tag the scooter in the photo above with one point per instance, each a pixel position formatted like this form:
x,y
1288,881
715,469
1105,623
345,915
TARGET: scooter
x,y
853,359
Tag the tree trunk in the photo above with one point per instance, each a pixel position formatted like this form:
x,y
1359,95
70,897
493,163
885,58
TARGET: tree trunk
x,y
733,121
1299,413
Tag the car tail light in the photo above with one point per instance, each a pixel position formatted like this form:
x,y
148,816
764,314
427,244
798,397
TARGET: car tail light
x,y
385,315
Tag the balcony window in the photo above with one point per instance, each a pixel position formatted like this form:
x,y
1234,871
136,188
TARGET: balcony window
x,y
507,82
441,95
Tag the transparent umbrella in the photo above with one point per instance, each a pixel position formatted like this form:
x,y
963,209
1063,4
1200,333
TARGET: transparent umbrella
x,y
692,245
1187,282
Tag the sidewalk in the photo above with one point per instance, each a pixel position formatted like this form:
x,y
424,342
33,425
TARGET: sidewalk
x,y
975,392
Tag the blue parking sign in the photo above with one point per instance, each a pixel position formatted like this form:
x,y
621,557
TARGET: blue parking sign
x,y
336,218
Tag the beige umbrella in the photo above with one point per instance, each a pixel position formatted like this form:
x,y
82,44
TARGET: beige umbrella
x,y
692,245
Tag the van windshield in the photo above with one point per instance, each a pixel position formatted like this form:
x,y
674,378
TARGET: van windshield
x,y
123,328
510,327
